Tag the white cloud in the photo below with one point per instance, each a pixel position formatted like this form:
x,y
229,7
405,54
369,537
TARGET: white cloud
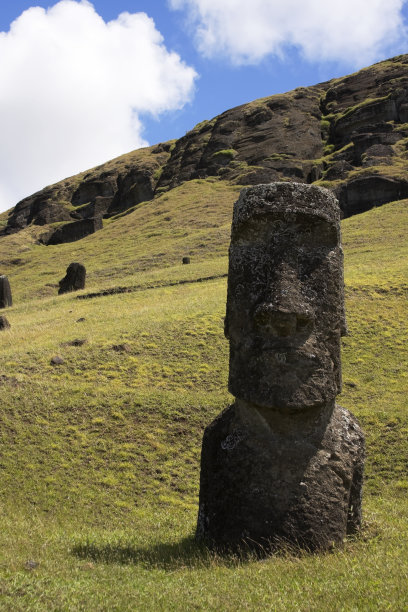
x,y
350,31
72,88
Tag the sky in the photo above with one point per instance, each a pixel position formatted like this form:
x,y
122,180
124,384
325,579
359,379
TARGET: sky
x,y
82,82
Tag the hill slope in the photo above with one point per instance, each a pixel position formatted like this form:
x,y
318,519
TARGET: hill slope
x,y
348,134
100,455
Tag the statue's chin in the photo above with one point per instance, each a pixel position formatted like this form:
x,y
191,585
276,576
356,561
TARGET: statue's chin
x,y
302,400
301,382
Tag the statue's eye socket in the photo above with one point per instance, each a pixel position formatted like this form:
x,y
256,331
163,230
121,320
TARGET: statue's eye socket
x,y
318,235
302,323
308,265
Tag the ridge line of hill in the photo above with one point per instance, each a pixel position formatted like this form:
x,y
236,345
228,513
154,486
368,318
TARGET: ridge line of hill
x,y
349,134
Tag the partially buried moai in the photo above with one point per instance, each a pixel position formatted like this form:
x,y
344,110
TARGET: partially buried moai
x,y
284,463
74,279
5,292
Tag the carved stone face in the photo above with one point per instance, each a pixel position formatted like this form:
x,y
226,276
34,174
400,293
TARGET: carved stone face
x,y
285,311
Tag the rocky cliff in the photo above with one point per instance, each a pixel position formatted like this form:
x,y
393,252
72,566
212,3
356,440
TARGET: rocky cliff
x,y
348,134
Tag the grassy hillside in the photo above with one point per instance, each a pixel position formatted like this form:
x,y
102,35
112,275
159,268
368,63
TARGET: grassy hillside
x,y
100,456
135,248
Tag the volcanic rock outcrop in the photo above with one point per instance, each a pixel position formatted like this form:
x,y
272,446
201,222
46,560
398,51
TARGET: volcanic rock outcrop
x,y
284,463
74,279
348,134
70,232
103,191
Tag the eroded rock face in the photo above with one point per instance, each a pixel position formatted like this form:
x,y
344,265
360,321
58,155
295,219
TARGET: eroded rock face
x,y
283,464
74,279
363,193
103,191
5,292
70,232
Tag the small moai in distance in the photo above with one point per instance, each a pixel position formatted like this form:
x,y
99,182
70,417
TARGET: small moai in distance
x,y
186,260
283,465
74,279
5,292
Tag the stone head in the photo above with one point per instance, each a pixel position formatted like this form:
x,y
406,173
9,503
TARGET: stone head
x,y
285,304
74,278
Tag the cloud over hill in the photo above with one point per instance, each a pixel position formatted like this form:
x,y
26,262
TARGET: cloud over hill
x,y
352,31
73,88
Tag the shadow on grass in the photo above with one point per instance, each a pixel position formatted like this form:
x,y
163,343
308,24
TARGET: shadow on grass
x,y
192,554
188,552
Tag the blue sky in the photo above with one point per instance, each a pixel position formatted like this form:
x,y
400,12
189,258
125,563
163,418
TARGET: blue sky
x,y
75,92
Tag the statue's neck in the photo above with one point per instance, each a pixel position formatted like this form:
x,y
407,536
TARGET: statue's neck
x,y
293,421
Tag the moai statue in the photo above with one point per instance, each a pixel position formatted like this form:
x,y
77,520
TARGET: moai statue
x,y
284,463
5,292
74,278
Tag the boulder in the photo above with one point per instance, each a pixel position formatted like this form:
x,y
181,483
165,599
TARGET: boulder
x,y
4,324
57,360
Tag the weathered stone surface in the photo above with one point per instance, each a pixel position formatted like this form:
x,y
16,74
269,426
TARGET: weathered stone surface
x,y
98,207
74,278
5,292
284,463
285,306
39,209
363,193
74,231
90,189
57,360
269,479
380,136
255,142
4,324
136,186
338,170
380,111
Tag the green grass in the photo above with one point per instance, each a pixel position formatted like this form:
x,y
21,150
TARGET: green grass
x,y
228,153
156,235
100,455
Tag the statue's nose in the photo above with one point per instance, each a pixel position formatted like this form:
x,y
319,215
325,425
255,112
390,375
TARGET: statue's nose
x,y
284,311
280,321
